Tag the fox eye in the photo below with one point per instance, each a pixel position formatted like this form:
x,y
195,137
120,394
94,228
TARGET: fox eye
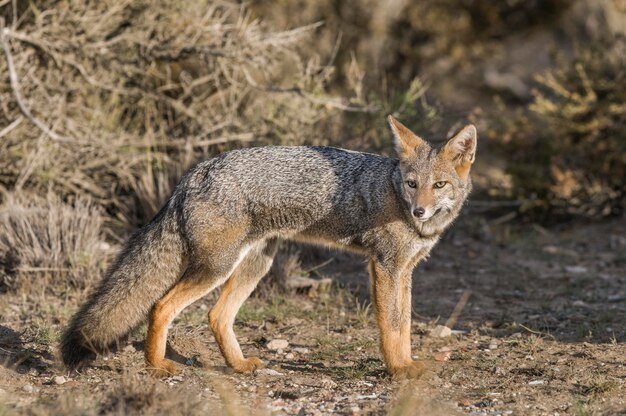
x,y
411,184
440,184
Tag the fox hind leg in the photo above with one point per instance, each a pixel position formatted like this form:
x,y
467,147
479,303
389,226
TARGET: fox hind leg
x,y
235,291
189,289
198,280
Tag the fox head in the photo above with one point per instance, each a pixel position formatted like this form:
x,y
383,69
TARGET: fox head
x,y
434,180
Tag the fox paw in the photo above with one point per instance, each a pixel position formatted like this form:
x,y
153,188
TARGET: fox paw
x,y
248,365
165,368
414,369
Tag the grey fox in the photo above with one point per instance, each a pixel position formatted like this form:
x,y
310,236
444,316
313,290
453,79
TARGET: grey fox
x,y
223,220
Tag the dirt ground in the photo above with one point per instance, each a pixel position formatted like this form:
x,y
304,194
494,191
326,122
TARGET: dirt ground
x,y
543,333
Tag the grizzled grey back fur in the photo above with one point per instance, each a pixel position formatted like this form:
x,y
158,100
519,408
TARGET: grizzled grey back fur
x,y
321,192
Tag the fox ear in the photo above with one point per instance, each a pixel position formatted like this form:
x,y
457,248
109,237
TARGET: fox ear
x,y
404,140
461,149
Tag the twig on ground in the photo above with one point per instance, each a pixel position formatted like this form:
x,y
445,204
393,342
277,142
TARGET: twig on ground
x,y
532,331
458,309
504,218
319,266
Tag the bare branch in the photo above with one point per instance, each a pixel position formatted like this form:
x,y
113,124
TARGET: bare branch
x,y
11,126
458,309
15,86
327,102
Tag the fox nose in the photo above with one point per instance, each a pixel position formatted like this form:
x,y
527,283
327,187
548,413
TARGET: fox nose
x,y
418,212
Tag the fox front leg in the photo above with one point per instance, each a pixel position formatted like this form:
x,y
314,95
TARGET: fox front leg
x,y
392,301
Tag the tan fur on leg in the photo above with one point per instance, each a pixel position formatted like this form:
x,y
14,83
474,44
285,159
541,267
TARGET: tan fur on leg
x,y
385,293
163,313
395,342
405,316
194,285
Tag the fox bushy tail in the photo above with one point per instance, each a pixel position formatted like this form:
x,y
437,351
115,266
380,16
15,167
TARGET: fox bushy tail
x,y
148,266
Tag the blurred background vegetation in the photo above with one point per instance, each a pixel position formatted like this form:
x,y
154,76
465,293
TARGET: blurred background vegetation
x,y
103,105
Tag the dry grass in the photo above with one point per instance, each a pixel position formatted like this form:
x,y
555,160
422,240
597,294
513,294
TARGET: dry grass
x,y
126,93
49,246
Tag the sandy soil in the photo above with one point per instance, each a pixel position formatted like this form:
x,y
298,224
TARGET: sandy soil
x,y
543,333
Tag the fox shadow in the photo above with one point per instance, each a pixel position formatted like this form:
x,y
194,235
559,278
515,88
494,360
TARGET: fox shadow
x,y
16,354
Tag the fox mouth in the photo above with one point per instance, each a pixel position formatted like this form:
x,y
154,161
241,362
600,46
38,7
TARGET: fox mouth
x,y
422,220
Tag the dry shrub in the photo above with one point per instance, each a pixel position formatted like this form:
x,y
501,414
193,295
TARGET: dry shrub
x,y
117,92
115,100
395,40
47,245
568,151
